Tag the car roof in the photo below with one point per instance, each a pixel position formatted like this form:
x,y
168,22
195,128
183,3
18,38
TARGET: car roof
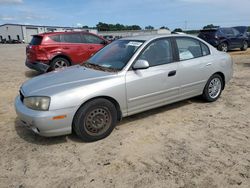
x,y
151,37
60,32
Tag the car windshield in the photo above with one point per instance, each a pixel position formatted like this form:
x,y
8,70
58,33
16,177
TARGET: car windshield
x,y
115,56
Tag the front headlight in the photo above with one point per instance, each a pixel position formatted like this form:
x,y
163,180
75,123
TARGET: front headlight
x,y
37,103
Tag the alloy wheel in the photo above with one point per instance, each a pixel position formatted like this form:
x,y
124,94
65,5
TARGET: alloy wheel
x,y
214,88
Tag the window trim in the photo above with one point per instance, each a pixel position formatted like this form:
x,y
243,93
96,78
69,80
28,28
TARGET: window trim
x,y
145,47
186,37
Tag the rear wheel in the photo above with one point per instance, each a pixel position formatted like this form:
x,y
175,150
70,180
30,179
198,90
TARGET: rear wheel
x,y
213,88
223,47
95,120
59,62
244,46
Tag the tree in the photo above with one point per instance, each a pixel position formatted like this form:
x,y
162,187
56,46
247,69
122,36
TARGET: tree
x,y
85,27
164,27
102,27
177,30
210,26
149,27
116,27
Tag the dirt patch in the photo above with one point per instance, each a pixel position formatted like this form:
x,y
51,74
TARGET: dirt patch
x,y
186,144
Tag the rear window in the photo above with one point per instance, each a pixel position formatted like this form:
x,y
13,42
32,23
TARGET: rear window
x,y
36,40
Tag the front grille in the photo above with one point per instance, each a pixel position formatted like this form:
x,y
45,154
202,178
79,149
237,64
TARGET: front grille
x,y
21,96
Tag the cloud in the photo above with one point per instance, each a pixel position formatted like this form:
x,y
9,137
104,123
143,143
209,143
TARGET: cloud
x,y
6,18
11,1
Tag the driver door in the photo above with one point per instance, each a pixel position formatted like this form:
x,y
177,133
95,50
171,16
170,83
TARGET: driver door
x,y
156,85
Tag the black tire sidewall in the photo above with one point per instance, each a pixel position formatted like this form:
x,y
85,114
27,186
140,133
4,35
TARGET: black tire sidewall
x,y
52,65
79,119
220,46
243,44
205,94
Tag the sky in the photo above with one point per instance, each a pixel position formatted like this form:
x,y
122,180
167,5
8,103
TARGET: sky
x,y
185,14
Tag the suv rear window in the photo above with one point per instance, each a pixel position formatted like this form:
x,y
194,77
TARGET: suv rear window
x,y
36,40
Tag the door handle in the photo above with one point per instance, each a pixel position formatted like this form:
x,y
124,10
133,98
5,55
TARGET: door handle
x,y
65,48
208,64
172,73
91,47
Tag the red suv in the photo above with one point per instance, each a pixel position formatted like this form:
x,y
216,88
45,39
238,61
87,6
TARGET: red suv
x,y
49,51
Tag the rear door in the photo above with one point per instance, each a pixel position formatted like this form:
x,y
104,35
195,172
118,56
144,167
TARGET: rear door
x,y
157,85
92,44
71,45
194,66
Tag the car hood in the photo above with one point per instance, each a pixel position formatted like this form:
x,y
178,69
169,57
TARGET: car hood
x,y
63,79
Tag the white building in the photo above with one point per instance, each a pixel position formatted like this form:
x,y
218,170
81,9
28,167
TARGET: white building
x,y
24,33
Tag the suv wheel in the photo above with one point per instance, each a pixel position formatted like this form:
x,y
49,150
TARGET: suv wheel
x,y
223,47
95,120
59,62
244,46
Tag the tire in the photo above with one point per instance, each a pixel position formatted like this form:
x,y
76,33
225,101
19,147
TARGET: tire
x,y
223,47
213,88
59,62
95,120
244,46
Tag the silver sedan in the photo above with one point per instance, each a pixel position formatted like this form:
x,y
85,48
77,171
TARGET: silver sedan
x,y
126,77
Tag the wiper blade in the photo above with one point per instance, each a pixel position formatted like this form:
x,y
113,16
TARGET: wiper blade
x,y
99,67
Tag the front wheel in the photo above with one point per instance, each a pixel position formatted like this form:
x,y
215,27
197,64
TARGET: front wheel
x,y
95,120
223,47
244,46
213,88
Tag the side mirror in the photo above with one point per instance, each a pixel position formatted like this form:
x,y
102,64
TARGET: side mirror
x,y
104,42
140,64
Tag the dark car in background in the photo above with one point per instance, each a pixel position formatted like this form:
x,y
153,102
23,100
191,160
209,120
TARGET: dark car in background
x,y
225,39
49,51
248,35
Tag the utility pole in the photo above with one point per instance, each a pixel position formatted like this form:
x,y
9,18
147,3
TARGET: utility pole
x,y
186,23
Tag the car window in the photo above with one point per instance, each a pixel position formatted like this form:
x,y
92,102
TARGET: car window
x,y
158,52
36,40
71,38
188,48
92,39
55,38
227,31
116,55
236,32
205,49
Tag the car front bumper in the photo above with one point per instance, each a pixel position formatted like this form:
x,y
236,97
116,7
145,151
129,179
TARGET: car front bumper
x,y
42,122
38,66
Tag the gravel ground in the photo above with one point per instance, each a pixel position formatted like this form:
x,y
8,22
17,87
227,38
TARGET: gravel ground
x,y
186,144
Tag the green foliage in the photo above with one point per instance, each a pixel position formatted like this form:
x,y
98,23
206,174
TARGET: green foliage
x,y
210,26
178,30
116,27
149,27
164,27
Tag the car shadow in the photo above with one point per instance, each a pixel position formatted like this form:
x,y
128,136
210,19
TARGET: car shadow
x,y
31,73
31,137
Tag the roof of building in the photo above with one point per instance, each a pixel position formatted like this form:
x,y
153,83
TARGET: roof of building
x,y
38,26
